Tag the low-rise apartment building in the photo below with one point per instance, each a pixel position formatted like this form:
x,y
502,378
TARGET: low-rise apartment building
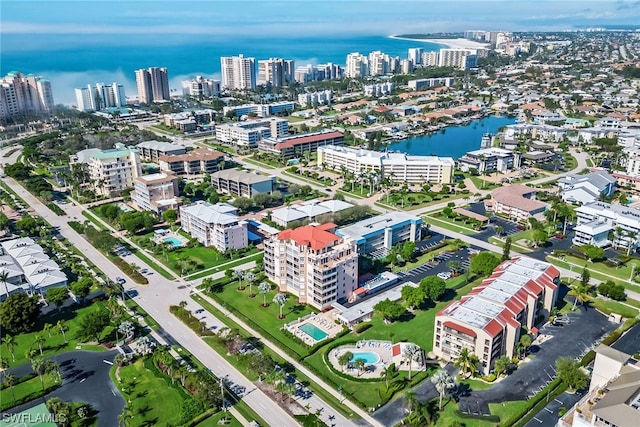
x,y
196,162
214,225
313,263
292,146
151,151
488,320
376,236
490,160
110,171
157,192
261,110
586,188
397,167
250,132
242,183
603,224
515,201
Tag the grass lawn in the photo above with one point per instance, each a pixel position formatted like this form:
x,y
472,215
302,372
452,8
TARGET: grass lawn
x,y
213,421
449,224
54,344
90,216
152,400
475,384
609,307
503,410
308,179
25,391
257,257
264,320
599,270
424,258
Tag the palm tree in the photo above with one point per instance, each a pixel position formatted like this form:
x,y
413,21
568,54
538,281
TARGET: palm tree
x,y
411,352
250,278
4,278
467,362
62,328
281,300
39,367
443,382
239,274
631,235
412,401
344,359
581,292
359,364
263,288
9,380
31,354
47,328
10,342
52,367
40,340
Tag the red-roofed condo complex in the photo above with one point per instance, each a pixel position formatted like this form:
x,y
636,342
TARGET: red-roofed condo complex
x,y
313,263
488,320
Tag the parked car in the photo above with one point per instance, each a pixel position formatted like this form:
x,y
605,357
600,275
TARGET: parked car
x,y
444,275
120,280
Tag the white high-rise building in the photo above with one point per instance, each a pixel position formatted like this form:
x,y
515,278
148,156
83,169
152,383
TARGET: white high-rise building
x,y
275,72
459,58
153,85
379,63
415,55
200,87
357,66
430,59
100,97
20,94
238,72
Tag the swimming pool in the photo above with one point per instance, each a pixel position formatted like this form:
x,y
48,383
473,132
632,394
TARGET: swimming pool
x,y
176,243
313,331
369,357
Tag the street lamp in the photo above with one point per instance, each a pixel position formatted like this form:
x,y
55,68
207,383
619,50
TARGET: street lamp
x,y
633,268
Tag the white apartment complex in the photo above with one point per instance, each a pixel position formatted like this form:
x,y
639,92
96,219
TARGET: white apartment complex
x,y
458,58
153,85
248,133
156,192
28,268
275,72
110,171
420,84
238,72
603,224
100,96
20,94
487,321
357,66
398,167
313,99
214,225
201,87
312,263
490,159
312,73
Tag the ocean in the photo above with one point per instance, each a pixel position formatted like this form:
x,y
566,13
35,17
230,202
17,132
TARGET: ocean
x,y
71,61
453,141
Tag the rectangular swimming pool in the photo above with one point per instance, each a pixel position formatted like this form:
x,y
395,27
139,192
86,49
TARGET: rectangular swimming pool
x,y
176,243
313,331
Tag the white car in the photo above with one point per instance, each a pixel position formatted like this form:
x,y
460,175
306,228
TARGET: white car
x,y
445,275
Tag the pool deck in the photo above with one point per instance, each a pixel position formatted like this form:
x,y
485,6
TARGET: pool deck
x,y
382,349
321,321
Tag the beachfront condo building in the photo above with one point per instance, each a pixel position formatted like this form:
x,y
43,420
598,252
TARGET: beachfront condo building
x,y
249,132
110,171
312,263
459,58
357,66
156,192
488,320
275,72
201,88
215,226
415,55
238,72
153,85
100,97
397,167
20,94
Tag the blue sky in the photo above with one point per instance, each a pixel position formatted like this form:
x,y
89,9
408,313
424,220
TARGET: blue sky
x,y
240,17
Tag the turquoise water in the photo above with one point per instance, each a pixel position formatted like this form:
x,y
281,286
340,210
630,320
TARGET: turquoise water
x,y
368,356
313,331
453,141
174,242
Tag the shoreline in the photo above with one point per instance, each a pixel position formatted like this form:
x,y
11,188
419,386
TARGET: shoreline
x,y
457,43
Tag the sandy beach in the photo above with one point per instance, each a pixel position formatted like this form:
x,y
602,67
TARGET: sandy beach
x,y
450,43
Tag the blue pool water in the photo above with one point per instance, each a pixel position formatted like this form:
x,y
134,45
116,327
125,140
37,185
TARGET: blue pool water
x,y
313,331
369,357
174,242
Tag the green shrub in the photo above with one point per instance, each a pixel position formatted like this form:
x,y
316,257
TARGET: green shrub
x,y
361,327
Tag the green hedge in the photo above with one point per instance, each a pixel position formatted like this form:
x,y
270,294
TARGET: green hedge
x,y
56,209
190,320
489,418
130,271
519,415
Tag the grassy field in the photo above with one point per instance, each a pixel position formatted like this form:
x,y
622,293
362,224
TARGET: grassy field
x,y
25,391
54,340
609,307
503,410
449,224
482,184
257,257
424,258
152,400
214,421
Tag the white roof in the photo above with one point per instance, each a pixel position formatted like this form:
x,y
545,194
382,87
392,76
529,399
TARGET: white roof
x,y
288,214
220,213
160,146
336,205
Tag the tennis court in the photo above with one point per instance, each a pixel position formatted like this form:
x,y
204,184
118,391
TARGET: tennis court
x,y
38,416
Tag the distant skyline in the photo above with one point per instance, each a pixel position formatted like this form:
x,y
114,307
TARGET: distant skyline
x,y
306,18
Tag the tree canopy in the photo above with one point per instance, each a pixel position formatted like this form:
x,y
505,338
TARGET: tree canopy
x,y
433,287
390,310
19,313
484,263
570,372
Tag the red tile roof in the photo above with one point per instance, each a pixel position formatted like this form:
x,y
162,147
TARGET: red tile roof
x,y
309,235
298,140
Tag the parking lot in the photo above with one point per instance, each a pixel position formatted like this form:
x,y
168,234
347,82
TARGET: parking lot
x,y
438,267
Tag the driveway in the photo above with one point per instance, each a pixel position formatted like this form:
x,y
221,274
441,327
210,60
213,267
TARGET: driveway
x,y
587,327
85,378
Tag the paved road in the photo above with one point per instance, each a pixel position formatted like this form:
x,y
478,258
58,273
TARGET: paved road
x,y
155,299
85,378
